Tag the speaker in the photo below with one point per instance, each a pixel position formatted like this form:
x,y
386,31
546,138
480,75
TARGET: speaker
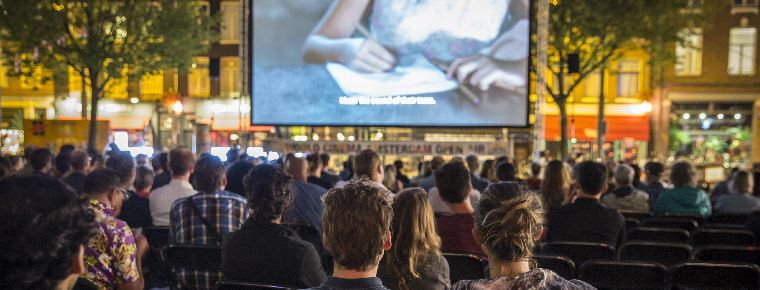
x,y
573,63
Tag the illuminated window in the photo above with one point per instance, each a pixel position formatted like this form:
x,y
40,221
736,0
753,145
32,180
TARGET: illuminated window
x,y
628,78
199,84
689,53
152,84
744,3
591,85
230,77
231,22
741,51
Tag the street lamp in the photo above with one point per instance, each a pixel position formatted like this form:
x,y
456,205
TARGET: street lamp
x,y
177,107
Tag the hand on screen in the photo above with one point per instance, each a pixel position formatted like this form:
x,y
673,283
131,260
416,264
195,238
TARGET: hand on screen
x,y
371,57
485,71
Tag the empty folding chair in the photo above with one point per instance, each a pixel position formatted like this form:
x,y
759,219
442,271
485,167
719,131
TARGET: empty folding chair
x,y
720,253
465,267
623,275
670,222
702,275
563,266
728,218
694,216
639,215
239,285
658,235
703,237
580,252
663,253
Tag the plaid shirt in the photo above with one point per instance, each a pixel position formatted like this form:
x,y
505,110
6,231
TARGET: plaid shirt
x,y
226,211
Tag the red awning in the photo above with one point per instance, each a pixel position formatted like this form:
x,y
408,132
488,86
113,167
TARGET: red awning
x,y
618,128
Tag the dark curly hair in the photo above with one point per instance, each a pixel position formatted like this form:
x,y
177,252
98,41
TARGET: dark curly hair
x,y
43,225
235,175
267,188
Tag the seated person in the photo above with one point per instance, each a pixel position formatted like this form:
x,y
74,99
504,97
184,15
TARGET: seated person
x,y
685,197
587,219
625,196
136,209
415,256
262,250
741,200
356,223
114,257
440,207
44,230
653,184
508,223
453,183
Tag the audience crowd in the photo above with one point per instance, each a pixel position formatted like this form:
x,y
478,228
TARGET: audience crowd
x,y
81,214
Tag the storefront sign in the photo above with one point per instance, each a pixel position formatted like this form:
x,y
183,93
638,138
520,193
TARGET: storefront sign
x,y
394,148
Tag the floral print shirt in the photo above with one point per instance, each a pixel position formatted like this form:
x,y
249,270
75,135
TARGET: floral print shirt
x,y
110,258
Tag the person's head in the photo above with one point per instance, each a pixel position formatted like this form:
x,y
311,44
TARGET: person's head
x,y
66,149
556,183
508,221
6,168
611,164
41,160
453,182
181,161
356,224
161,162
592,177
413,233
437,163
315,163
62,164
17,162
472,162
682,174
210,174
28,150
80,160
636,174
235,176
506,171
368,163
743,182
298,168
141,159
105,185
232,156
399,165
389,180
623,175
267,188
501,159
535,169
655,171
325,160
43,234
487,171
143,178
122,163
427,170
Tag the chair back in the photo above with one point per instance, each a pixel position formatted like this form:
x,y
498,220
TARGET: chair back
x,y
240,285
663,253
658,235
465,267
631,223
639,215
158,237
734,254
563,266
671,222
580,252
722,237
722,226
694,216
623,275
702,275
728,218
84,284
193,257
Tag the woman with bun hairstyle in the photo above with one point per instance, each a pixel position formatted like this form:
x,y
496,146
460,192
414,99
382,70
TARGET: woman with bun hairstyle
x,y
415,253
508,221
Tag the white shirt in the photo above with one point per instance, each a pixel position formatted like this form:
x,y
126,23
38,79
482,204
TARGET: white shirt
x,y
439,205
162,198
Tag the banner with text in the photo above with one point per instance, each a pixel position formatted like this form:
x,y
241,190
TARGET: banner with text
x,y
394,148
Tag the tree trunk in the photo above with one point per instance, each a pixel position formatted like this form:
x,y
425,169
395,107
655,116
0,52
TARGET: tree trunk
x,y
561,104
93,138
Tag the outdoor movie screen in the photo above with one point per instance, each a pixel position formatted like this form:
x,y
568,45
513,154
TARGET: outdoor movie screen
x,y
390,62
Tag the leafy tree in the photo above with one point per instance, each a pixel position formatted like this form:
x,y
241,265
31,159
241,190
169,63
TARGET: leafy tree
x,y
601,31
106,41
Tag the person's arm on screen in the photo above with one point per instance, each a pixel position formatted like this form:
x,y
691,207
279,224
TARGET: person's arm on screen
x,y
330,40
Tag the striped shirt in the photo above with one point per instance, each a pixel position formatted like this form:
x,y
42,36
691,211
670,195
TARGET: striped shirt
x,y
226,211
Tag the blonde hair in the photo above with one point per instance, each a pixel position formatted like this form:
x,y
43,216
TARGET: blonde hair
x,y
556,183
413,233
509,219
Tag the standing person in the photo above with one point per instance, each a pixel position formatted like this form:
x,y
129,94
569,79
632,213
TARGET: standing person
x,y
80,165
507,224
555,188
357,233
653,184
262,250
685,197
741,201
205,218
625,196
45,227
181,165
415,254
113,259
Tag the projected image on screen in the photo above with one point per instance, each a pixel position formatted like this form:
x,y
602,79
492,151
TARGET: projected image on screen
x,y
390,62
